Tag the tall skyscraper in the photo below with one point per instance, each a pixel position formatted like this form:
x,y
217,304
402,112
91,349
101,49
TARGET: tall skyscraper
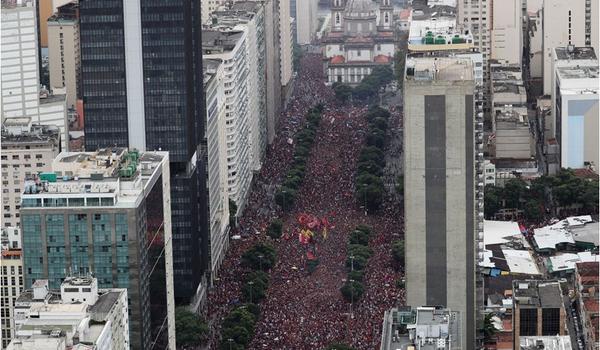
x,y
439,201
143,88
106,213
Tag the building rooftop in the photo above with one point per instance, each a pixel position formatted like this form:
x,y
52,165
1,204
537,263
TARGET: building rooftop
x,y
11,4
578,72
537,293
575,53
217,41
545,342
105,303
428,9
107,177
66,12
439,68
564,232
19,131
566,262
422,328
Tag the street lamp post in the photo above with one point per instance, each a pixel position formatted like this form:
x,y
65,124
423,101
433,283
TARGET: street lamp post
x,y
260,259
230,341
351,297
351,262
251,284
283,192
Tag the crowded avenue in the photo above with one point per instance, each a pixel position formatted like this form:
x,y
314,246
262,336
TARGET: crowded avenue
x,y
304,310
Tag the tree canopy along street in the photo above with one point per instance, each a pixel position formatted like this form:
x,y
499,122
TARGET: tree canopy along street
x,y
313,226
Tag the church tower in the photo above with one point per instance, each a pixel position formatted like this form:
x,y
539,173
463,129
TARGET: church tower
x,y
386,13
337,14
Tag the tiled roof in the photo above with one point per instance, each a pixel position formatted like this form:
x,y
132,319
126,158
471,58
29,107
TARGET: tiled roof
x,y
338,59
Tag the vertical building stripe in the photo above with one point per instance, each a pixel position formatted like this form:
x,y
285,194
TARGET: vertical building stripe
x,y
134,70
435,198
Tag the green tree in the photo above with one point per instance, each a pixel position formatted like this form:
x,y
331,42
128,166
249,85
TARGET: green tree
x,y
240,317
342,91
253,291
356,275
359,250
239,335
370,195
359,238
352,290
285,198
488,330
260,256
514,190
492,200
400,185
533,212
398,252
275,229
357,263
190,329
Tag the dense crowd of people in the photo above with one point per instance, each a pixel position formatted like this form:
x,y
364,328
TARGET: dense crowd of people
x,y
304,310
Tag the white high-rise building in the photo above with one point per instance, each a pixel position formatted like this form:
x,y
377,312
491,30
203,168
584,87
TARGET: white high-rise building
x,y
573,22
287,42
306,21
230,46
11,281
27,150
20,74
507,31
21,94
218,205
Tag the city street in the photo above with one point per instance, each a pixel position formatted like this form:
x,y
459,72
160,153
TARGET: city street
x,y
305,310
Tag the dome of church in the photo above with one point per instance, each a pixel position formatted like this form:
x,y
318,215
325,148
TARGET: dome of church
x,y
360,9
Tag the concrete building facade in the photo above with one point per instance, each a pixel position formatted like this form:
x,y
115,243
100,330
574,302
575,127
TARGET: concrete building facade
x,y
20,77
27,150
107,213
507,31
218,204
287,43
230,46
21,93
567,23
64,59
439,200
306,21
77,316
537,310
11,286
575,106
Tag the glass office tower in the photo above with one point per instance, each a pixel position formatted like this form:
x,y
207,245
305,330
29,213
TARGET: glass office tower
x,y
143,88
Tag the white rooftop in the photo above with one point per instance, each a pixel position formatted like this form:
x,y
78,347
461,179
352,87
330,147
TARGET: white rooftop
x,y
550,342
499,232
548,237
567,261
521,261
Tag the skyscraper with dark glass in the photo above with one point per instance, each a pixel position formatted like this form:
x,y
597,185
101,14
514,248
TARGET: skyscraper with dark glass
x,y
143,88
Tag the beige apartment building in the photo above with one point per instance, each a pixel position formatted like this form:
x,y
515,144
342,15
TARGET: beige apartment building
x,y
27,149
11,282
63,51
